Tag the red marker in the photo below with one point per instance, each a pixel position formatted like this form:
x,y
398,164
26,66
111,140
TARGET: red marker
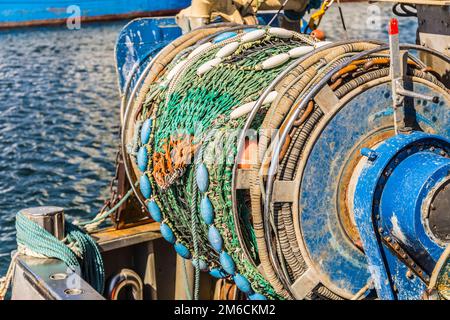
x,y
393,27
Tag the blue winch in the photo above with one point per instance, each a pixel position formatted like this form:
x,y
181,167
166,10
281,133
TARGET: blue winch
x,y
401,210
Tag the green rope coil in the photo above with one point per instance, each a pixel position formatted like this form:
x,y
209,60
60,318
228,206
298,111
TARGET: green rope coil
x,y
39,241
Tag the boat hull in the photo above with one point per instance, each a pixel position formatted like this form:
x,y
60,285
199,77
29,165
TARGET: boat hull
x,y
25,13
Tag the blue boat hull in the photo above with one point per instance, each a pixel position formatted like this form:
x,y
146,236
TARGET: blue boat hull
x,y
17,13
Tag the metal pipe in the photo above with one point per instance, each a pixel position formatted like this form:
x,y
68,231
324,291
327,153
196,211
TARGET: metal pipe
x,y
125,278
49,218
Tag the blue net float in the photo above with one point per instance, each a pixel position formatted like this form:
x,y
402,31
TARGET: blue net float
x,y
215,239
207,210
182,250
142,159
243,284
202,178
167,233
155,211
145,186
201,264
227,263
224,36
146,130
218,273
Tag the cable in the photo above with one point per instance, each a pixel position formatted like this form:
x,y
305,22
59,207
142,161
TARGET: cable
x,y
278,12
341,14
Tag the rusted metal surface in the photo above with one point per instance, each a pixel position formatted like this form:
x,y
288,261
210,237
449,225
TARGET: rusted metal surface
x,y
345,207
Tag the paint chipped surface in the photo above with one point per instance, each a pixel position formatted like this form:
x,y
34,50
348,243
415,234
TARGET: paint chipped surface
x,y
396,230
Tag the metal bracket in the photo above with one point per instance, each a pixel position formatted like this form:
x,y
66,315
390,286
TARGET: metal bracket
x,y
402,255
305,284
398,70
284,191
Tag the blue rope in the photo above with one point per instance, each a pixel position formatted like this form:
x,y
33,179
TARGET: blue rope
x,y
35,238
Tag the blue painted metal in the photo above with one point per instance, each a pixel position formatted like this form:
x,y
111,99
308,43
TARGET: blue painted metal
x,y
224,36
26,11
341,263
388,199
138,42
403,197
369,153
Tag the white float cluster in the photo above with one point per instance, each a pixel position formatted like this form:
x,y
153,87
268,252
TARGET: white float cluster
x,y
270,63
230,48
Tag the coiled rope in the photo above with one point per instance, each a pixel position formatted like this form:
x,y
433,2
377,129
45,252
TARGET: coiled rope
x,y
77,250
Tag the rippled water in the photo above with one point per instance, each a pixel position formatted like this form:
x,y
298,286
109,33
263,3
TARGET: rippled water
x,y
59,115
59,123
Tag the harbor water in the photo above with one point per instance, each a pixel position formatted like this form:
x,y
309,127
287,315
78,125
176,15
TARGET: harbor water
x,y
59,112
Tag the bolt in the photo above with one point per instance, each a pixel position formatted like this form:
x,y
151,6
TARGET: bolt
x,y
409,274
380,230
369,153
388,239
